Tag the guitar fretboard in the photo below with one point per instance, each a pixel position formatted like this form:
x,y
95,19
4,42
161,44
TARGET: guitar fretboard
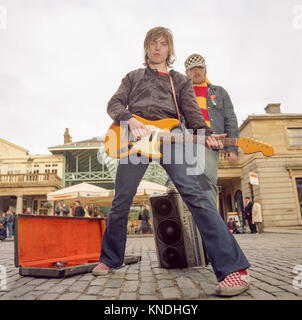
x,y
200,139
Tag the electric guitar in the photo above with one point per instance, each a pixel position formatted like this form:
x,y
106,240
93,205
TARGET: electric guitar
x,y
119,141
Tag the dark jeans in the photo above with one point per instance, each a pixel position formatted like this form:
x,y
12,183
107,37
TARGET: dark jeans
x,y
223,250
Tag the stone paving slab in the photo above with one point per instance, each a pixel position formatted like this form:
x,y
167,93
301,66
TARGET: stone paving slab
x,y
272,255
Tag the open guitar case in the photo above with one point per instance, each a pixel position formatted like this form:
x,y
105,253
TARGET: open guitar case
x,y
59,247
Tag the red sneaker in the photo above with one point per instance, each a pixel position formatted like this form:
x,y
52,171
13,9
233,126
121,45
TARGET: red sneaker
x,y
101,270
233,284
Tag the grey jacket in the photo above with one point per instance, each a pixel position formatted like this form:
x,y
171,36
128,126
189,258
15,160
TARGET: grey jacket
x,y
222,116
149,95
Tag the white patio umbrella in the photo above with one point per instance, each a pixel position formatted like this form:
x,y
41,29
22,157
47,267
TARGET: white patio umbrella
x,y
83,191
148,188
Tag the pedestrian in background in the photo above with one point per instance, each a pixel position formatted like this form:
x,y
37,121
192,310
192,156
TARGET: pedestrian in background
x,y
88,211
62,208
28,211
3,234
79,210
257,216
145,220
3,219
248,214
10,223
232,225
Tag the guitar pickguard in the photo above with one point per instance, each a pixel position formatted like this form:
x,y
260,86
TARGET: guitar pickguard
x,y
149,145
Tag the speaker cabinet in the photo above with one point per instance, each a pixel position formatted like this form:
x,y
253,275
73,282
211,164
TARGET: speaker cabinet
x,y
177,240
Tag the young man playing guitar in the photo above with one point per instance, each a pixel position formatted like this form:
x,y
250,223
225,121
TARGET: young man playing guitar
x,y
147,93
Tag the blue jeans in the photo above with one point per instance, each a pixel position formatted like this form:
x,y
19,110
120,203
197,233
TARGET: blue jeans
x,y
222,248
208,179
145,223
10,228
207,170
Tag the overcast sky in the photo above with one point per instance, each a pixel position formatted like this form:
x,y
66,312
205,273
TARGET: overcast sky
x,y
62,60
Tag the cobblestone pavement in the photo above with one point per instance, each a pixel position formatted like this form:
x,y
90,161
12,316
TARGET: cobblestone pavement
x,y
272,255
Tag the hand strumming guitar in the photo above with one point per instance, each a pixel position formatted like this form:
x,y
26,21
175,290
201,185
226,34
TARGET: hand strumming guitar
x,y
138,129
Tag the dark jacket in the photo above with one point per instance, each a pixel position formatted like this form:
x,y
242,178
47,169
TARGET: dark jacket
x,y
3,234
79,212
221,114
149,95
248,210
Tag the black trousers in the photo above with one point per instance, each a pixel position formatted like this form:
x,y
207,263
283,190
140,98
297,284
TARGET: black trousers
x,y
252,225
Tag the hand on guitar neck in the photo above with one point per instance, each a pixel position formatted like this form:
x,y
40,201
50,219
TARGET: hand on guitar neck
x,y
213,142
231,157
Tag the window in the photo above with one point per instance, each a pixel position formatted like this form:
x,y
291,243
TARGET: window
x,y
13,172
294,137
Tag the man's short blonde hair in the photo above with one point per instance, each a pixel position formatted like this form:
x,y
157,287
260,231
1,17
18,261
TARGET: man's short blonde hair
x,y
154,34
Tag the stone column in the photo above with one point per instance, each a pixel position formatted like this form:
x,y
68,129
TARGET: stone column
x,y
19,206
1,205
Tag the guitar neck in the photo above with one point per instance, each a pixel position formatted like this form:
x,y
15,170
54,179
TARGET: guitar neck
x,y
179,137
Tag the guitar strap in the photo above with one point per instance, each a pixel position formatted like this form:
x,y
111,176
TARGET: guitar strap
x,y
174,96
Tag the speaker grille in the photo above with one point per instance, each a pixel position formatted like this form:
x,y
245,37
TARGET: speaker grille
x,y
172,257
169,232
178,242
163,207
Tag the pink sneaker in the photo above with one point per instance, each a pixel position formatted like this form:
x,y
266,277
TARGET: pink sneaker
x,y
233,284
101,270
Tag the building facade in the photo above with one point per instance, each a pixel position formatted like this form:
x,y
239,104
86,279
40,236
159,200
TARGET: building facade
x,y
280,176
26,179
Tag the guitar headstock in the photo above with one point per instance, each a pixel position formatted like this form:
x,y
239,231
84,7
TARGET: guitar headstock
x,y
251,146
